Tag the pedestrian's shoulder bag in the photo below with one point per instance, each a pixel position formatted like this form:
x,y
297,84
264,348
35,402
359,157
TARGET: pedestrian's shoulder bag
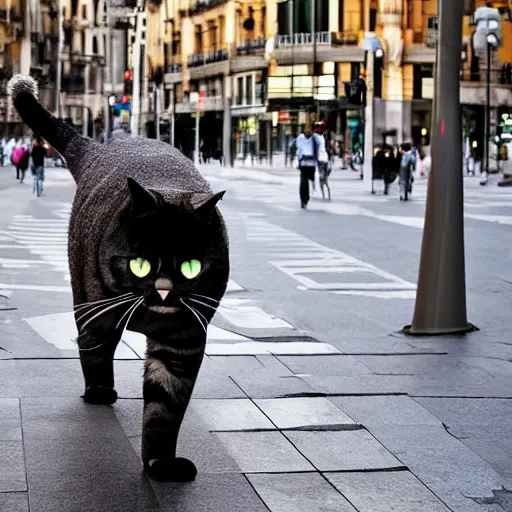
x,y
310,160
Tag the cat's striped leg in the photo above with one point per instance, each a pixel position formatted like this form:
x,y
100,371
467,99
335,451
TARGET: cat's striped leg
x,y
97,359
169,378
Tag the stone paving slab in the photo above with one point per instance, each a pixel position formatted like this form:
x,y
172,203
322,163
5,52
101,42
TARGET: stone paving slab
x,y
76,455
299,492
209,493
10,419
240,414
386,410
399,491
474,384
343,451
12,467
14,502
449,468
271,387
325,365
300,412
263,452
195,441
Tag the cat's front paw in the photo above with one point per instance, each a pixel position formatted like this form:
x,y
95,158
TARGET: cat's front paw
x,y
171,470
100,395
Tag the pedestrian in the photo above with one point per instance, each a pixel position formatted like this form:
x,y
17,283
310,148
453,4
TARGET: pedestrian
x,y
38,155
23,162
323,161
307,147
292,150
406,170
2,150
19,158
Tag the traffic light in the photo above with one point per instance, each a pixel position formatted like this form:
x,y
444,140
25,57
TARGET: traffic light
x,y
128,82
355,91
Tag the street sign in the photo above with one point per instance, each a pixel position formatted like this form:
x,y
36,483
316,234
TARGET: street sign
x,y
200,103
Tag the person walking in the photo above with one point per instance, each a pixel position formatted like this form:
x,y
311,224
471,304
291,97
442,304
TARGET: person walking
x,y
406,168
324,168
307,149
38,155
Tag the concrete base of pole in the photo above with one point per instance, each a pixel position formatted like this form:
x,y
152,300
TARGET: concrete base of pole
x,y
411,331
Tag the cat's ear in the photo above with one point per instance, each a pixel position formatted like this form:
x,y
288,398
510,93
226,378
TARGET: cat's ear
x,y
204,204
143,200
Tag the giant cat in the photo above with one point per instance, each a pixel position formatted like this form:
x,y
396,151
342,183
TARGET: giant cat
x,y
148,250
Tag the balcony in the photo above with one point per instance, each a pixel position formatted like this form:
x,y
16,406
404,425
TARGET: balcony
x,y
330,47
201,6
203,65
251,47
248,56
201,59
211,104
173,74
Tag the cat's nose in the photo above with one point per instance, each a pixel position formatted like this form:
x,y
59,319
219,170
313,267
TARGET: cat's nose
x,y
163,287
163,293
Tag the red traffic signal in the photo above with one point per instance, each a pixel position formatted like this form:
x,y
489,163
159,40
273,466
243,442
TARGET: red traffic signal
x,y
127,75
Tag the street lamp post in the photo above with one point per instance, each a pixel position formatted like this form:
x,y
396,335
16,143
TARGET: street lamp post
x,y
486,38
374,50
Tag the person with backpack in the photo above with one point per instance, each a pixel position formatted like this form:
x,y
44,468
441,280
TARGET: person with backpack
x,y
20,158
307,150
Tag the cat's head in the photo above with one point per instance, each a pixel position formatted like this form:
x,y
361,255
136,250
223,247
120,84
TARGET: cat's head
x,y
171,251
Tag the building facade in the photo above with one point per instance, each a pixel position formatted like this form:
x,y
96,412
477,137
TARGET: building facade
x,y
265,68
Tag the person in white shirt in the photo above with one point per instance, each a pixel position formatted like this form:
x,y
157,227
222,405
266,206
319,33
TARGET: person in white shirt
x,y
307,150
324,168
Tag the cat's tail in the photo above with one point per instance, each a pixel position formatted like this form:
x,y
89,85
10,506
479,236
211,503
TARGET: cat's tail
x,y
75,149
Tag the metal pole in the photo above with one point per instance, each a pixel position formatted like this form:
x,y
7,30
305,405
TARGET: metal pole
x,y
173,114
196,145
134,121
441,296
58,71
368,124
157,111
488,110
313,36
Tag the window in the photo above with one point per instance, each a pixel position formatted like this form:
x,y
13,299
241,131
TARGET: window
x,y
84,12
198,39
420,72
212,34
248,89
239,90
95,45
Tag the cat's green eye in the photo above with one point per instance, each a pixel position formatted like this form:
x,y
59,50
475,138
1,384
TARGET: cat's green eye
x,y
140,267
191,269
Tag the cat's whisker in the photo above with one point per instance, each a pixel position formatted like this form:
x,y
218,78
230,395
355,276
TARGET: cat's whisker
x,y
103,311
131,314
132,308
202,303
92,348
116,302
199,313
102,301
204,297
195,314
